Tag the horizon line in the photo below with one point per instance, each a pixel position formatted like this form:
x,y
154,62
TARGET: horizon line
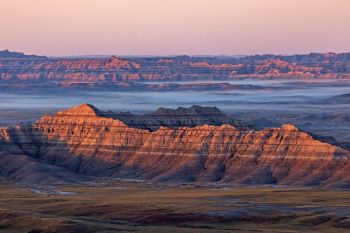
x,y
175,55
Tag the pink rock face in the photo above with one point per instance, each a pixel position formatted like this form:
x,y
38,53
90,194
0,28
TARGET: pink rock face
x,y
83,142
113,69
93,64
85,110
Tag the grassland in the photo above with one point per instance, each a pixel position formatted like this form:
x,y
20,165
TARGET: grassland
x,y
121,206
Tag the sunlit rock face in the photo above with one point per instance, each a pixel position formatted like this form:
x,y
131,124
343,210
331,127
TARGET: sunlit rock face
x,y
84,140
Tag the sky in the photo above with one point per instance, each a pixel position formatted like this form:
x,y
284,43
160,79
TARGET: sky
x,y
174,27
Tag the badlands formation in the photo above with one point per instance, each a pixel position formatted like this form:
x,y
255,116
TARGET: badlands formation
x,y
197,144
18,70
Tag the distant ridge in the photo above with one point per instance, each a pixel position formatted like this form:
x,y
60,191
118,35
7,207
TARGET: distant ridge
x,y
111,73
10,54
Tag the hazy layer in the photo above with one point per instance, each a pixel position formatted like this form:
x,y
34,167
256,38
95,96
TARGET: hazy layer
x,y
291,95
309,105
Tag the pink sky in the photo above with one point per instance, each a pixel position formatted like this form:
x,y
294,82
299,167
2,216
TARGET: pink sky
x,y
172,27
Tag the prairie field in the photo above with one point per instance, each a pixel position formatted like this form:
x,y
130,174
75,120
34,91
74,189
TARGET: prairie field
x,y
130,206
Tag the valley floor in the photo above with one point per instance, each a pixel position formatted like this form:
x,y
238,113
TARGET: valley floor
x,y
131,206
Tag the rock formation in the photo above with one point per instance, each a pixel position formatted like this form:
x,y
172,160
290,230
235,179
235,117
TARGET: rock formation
x,y
82,141
174,118
93,72
6,54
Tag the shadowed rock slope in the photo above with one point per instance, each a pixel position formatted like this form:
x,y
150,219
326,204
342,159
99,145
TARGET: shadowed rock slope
x,y
174,118
82,141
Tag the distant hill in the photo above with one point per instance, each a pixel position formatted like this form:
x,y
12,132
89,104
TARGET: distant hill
x,y
339,99
97,72
311,58
9,54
